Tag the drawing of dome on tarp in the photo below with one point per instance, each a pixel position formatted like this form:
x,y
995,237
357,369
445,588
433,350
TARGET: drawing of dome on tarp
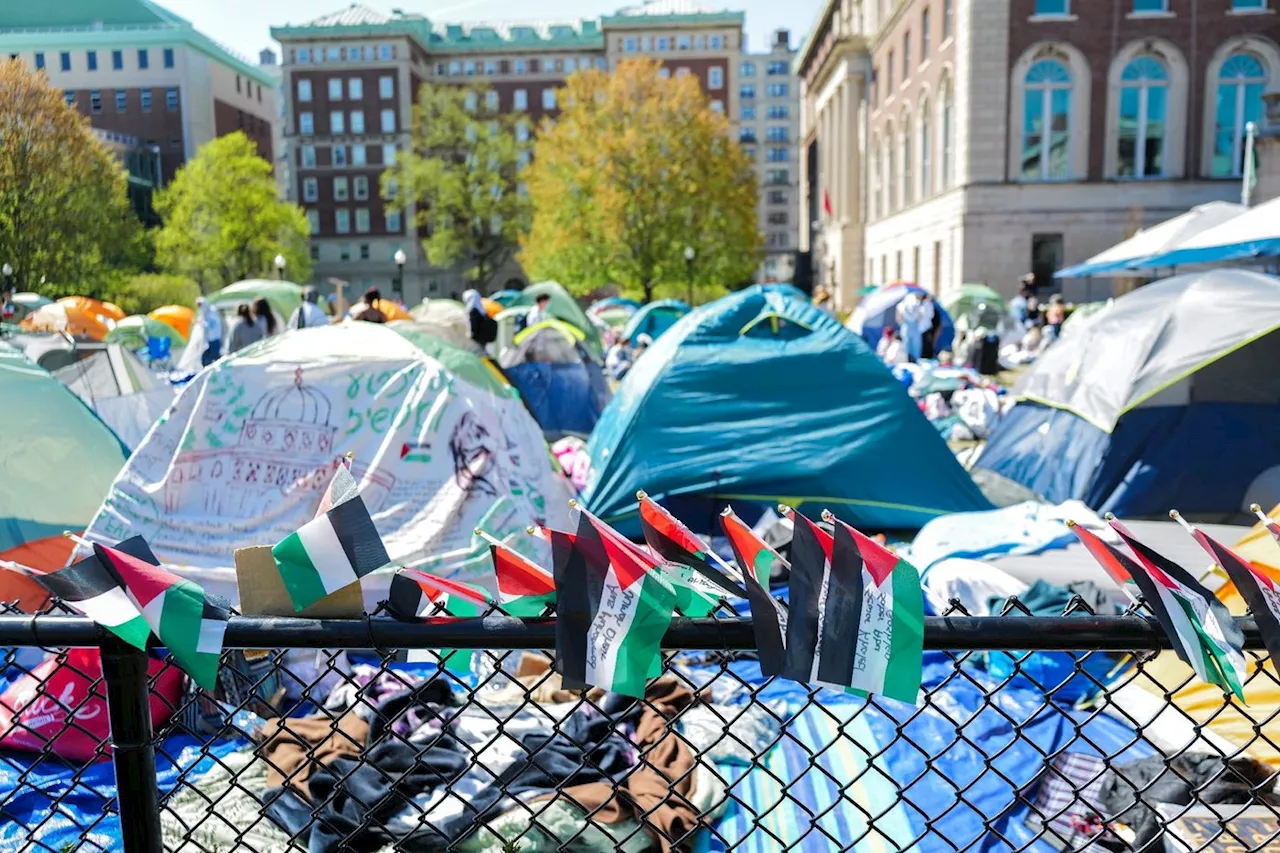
x,y
441,443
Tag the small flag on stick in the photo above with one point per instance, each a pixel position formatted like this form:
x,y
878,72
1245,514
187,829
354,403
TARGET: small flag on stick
x,y
667,537
768,615
524,587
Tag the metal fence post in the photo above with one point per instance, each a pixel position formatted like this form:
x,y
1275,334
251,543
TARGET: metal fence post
x,y
134,756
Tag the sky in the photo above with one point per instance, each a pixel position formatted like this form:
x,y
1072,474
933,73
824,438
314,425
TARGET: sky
x,y
244,25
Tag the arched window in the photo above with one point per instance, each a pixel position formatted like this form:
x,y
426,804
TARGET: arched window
x,y
1046,122
926,151
947,112
908,185
1241,81
891,172
1144,117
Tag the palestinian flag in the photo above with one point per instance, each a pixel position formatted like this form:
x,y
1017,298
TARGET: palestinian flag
x,y
821,606
330,552
612,612
1259,591
416,595
524,587
92,588
188,622
1199,626
667,537
1113,561
768,615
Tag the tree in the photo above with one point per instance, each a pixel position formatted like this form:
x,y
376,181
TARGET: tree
x,y
224,221
463,173
64,209
636,168
142,294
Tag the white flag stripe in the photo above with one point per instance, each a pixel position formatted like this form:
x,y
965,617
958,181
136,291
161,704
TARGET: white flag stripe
x,y
1187,635
327,557
875,623
153,611
212,632
110,609
823,591
616,618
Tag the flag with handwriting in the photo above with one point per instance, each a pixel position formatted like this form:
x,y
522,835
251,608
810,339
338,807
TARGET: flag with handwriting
x,y
670,539
1256,587
768,615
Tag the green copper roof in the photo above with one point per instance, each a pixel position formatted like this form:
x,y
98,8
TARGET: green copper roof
x,y
82,13
621,21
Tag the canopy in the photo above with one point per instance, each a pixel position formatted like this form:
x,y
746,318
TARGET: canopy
x,y
120,389
179,317
760,398
1149,243
566,308
134,331
878,310
284,297
654,319
966,298
441,445
109,310
72,319
57,459
1254,233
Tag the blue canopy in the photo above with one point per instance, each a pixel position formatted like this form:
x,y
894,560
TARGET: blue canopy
x,y
877,311
759,398
654,319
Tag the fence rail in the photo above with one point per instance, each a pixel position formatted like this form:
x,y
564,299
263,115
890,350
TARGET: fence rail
x,y
1020,742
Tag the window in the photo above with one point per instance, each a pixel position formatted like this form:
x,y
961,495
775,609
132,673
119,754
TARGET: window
x,y
393,188
388,121
1144,95
469,101
948,18
144,60
777,196
778,90
773,69
65,59
662,43
342,221
70,97
306,124
308,156
908,162
717,42
95,101
778,111
548,99
337,122
700,43
898,265
888,76
92,57
386,87
313,250
664,72
890,172
364,247
717,106
334,54
779,218
171,100
168,57
682,72
357,122
344,250
310,189
747,113
39,61
355,88
335,89
519,66
490,68
715,77
683,43
906,54
747,134
1046,257
362,221
877,182
746,91
778,155
520,99
117,61
629,45
304,91
340,189
122,101
339,155
924,34
1046,122
491,101
1053,7
947,112
569,65
937,266
386,51
1248,5
522,131
469,68
926,151
359,157
455,68
144,98
1140,6
1241,81
777,176
393,221
747,69
313,222
776,134
389,154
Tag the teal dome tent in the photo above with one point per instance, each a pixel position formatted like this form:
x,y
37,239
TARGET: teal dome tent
x,y
760,398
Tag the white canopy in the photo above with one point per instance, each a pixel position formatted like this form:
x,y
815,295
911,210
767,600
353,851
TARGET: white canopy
x,y
1122,258
1254,233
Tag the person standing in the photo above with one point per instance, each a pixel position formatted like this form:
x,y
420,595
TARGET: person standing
x,y
309,313
910,314
245,329
1054,316
211,325
930,326
263,318
541,312
484,329
1020,305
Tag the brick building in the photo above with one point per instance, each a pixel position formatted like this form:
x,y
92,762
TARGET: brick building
x,y
350,80
1007,136
145,78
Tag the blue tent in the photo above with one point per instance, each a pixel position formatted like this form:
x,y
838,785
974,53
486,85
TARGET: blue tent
x,y
759,398
1169,399
788,290
654,319
559,381
613,302
878,310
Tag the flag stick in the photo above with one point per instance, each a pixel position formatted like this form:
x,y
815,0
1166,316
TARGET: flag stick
x,y
491,540
728,511
78,539
729,570
1212,570
1262,516
19,568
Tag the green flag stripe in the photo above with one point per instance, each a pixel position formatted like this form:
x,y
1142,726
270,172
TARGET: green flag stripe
x,y
906,647
1216,663
179,630
300,578
641,643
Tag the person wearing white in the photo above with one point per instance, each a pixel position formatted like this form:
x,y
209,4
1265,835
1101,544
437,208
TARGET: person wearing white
x,y
309,314
541,311
911,324
211,326
890,348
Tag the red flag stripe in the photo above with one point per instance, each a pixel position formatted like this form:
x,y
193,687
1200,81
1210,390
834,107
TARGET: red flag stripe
x,y
434,586
669,526
880,561
1217,551
518,575
142,580
1111,560
629,563
824,538
1157,573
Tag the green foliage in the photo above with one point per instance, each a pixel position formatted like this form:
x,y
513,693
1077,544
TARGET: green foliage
x,y
142,294
635,169
224,221
64,210
463,173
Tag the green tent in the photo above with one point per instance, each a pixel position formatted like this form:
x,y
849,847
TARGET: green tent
x,y
133,332
566,308
284,297
967,297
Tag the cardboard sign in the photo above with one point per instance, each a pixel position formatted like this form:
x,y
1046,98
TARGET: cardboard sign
x,y
1222,828
262,592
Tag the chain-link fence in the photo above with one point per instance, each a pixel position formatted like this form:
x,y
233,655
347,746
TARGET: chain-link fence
x,y
1031,733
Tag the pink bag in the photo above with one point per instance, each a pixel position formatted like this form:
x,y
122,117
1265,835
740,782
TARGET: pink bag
x,y
61,705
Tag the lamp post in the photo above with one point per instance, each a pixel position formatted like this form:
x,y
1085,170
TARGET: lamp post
x,y
400,259
7,270
689,255
280,265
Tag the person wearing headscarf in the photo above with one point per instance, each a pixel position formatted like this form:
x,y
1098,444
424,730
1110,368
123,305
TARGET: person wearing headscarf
x,y
211,326
309,313
263,318
245,329
484,329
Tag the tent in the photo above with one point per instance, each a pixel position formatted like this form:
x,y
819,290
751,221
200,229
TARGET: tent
x,y
564,307
654,319
788,290
759,398
125,394
1122,258
969,297
25,302
877,310
505,297
443,318
134,332
72,319
58,459
1169,398
97,307
1254,233
613,302
441,445
557,378
179,317
392,310
284,297
613,311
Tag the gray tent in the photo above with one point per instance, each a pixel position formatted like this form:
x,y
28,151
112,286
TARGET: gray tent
x,y
119,387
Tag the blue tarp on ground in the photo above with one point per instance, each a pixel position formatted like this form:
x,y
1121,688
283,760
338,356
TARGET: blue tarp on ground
x,y
654,319
761,398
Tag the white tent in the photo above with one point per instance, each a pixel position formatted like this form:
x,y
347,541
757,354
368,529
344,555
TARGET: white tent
x,y
1122,258
119,387
1255,233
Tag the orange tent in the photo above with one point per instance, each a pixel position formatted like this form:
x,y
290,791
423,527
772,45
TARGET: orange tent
x,y
176,317
110,310
47,555
72,319
493,309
